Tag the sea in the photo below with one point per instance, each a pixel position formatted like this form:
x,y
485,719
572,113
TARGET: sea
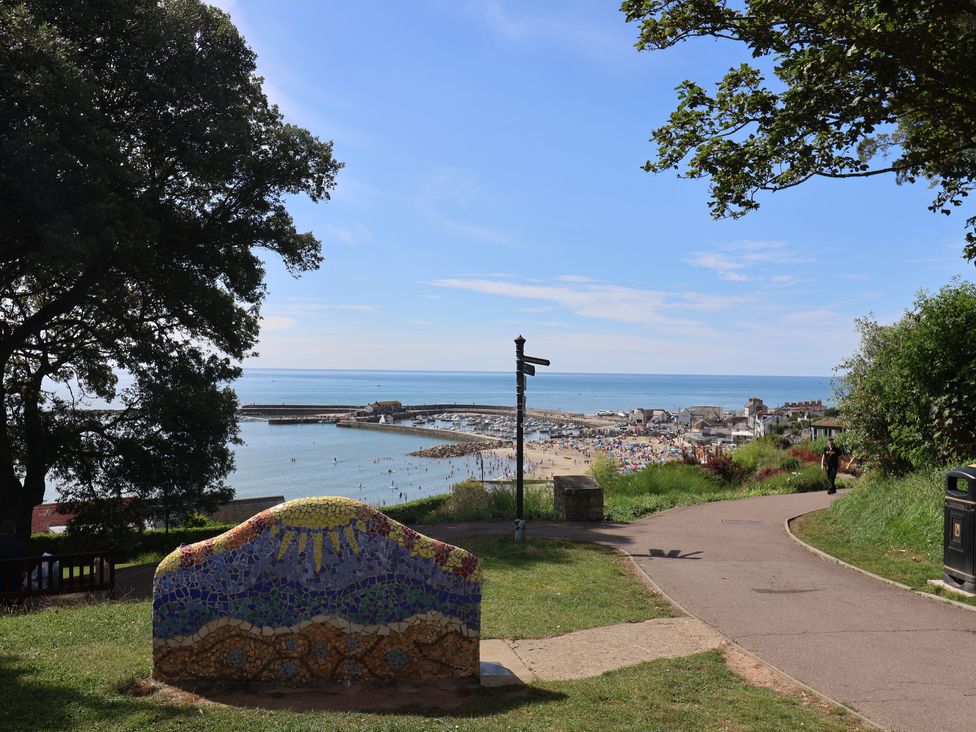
x,y
296,461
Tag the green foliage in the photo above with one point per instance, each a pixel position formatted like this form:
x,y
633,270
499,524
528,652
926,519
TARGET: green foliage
x,y
862,88
761,453
142,171
127,546
802,480
471,500
550,587
909,393
604,469
888,525
418,511
662,478
81,660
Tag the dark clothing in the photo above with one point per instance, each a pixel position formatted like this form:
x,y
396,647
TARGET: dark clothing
x,y
831,461
12,577
12,548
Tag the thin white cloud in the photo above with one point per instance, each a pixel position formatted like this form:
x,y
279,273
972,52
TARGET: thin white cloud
x,y
608,302
574,278
451,199
352,236
276,323
750,261
603,40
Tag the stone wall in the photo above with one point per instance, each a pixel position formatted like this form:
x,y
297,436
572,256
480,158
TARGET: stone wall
x,y
577,498
317,589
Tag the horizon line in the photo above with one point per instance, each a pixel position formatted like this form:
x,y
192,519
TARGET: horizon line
x,y
561,373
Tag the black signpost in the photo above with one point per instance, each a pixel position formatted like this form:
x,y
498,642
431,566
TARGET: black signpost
x,y
523,366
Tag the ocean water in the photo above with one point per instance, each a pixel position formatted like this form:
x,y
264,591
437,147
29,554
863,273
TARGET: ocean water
x,y
310,459
571,392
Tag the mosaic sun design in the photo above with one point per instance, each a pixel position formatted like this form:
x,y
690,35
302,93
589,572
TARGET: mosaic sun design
x,y
317,589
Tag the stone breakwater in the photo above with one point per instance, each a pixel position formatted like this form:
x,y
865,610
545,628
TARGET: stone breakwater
x,y
460,449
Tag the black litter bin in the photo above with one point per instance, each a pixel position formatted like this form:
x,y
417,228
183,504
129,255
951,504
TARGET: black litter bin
x,y
959,537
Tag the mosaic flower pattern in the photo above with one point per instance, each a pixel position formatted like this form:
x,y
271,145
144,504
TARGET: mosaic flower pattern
x,y
317,589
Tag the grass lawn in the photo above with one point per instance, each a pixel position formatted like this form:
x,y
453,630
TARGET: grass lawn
x,y
549,587
896,563
64,669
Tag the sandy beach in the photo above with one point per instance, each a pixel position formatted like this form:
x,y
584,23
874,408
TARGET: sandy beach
x,y
574,455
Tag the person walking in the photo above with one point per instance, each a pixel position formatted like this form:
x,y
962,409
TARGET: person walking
x,y
830,461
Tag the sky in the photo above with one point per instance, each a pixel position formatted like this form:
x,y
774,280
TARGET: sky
x,y
493,187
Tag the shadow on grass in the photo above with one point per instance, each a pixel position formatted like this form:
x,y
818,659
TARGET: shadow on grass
x,y
30,702
503,553
430,701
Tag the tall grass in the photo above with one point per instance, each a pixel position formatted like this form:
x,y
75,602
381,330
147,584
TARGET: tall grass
x,y
470,500
904,512
763,453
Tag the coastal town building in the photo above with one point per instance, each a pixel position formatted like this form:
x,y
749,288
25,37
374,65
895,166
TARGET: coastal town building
x,y
754,407
826,428
651,416
690,415
812,409
762,426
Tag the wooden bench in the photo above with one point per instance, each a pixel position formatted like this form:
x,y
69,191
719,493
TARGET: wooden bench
x,y
63,574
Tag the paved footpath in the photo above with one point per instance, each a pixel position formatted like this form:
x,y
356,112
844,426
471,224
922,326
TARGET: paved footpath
x,y
904,661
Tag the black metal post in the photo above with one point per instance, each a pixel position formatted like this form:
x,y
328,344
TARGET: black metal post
x,y
519,457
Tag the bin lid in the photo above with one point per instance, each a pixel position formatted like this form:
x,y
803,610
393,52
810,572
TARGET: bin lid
x,y
967,473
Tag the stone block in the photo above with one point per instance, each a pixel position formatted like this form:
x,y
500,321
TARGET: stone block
x,y
577,498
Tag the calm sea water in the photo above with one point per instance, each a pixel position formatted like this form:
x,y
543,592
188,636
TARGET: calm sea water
x,y
307,460
571,392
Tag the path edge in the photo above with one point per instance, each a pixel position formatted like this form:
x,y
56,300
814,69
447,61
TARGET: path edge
x,y
831,558
647,580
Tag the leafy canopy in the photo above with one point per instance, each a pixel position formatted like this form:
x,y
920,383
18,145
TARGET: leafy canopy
x,y
909,393
142,173
861,88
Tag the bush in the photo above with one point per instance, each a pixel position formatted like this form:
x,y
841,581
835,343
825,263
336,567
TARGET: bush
x,y
154,541
767,471
604,469
673,477
723,466
804,454
471,500
418,511
758,454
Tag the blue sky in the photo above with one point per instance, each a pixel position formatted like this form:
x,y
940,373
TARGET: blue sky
x,y
493,188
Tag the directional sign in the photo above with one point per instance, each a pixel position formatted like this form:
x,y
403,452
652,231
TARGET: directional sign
x,y
527,368
533,359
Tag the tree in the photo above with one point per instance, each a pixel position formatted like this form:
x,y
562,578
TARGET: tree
x,y
909,393
142,171
862,88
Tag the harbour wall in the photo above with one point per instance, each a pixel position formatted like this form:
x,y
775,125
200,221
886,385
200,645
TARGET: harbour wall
x,y
423,431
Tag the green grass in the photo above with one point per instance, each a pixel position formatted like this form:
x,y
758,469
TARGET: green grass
x,y
889,526
549,587
64,669
471,500
659,487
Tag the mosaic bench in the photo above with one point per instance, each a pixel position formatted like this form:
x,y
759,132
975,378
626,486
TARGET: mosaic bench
x,y
317,589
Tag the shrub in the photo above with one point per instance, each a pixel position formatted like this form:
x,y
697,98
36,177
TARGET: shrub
x,y
804,454
470,500
604,469
673,477
767,471
723,466
758,454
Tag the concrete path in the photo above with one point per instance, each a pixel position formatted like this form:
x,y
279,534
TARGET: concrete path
x,y
904,661
594,651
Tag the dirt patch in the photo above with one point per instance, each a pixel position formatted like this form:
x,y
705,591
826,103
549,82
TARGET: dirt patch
x,y
755,672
